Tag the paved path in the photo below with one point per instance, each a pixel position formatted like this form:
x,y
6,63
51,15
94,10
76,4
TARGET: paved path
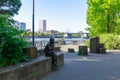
x,y
92,67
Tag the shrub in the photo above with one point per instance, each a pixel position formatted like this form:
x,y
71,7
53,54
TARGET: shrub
x,y
111,41
11,43
87,43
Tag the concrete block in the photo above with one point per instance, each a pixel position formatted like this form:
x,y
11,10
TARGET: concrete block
x,y
102,50
94,45
71,50
31,51
83,50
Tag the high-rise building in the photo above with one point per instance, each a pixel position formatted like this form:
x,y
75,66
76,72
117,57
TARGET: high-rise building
x,y
42,26
20,25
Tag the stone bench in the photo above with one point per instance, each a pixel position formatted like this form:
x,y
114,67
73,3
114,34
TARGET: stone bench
x,y
31,70
71,50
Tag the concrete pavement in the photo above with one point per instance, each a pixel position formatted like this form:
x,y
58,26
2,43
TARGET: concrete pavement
x,y
91,67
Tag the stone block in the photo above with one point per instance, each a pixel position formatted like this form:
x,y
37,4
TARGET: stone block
x,y
71,50
102,50
94,45
31,51
94,50
83,50
101,45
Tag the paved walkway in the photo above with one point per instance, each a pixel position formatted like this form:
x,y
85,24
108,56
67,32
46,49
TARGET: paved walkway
x,y
92,67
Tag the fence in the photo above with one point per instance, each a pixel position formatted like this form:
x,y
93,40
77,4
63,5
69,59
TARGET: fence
x,y
41,44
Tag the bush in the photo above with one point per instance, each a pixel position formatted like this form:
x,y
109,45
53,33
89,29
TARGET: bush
x,y
111,41
11,43
87,43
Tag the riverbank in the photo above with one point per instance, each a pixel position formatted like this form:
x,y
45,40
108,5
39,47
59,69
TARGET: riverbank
x,y
75,47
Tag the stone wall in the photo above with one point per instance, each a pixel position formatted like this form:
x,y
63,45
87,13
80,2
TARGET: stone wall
x,y
31,70
60,58
40,52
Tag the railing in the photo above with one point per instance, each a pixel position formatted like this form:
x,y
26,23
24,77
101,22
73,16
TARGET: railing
x,y
42,44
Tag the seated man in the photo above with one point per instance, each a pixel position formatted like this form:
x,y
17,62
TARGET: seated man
x,y
49,52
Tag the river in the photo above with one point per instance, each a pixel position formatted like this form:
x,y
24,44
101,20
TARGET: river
x,y
57,39
41,42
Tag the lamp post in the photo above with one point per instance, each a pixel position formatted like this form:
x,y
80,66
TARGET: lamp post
x,y
33,24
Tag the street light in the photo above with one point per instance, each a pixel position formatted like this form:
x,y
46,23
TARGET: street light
x,y
33,24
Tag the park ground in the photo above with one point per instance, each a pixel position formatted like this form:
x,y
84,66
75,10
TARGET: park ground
x,y
91,67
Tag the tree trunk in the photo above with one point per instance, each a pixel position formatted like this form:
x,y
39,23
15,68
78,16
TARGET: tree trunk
x,y
108,22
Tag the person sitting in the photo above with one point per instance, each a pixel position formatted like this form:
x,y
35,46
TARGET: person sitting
x,y
49,52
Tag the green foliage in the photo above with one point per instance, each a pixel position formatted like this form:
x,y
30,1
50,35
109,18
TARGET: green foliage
x,y
103,16
87,43
11,43
111,41
27,33
9,7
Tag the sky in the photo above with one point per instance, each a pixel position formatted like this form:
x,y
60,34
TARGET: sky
x,y
61,15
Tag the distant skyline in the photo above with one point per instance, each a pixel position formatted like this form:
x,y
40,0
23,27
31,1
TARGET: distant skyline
x,y
61,15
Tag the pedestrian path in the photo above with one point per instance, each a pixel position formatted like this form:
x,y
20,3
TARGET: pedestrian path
x,y
91,67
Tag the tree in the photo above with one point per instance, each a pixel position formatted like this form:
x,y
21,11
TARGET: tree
x,y
11,43
103,16
27,33
9,7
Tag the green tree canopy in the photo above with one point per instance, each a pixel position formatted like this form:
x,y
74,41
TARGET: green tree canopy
x,y
10,7
103,16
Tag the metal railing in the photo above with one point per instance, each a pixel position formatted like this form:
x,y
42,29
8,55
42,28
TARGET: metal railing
x,y
42,44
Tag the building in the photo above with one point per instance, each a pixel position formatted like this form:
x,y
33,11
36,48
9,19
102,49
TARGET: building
x,y
42,26
20,25
52,32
